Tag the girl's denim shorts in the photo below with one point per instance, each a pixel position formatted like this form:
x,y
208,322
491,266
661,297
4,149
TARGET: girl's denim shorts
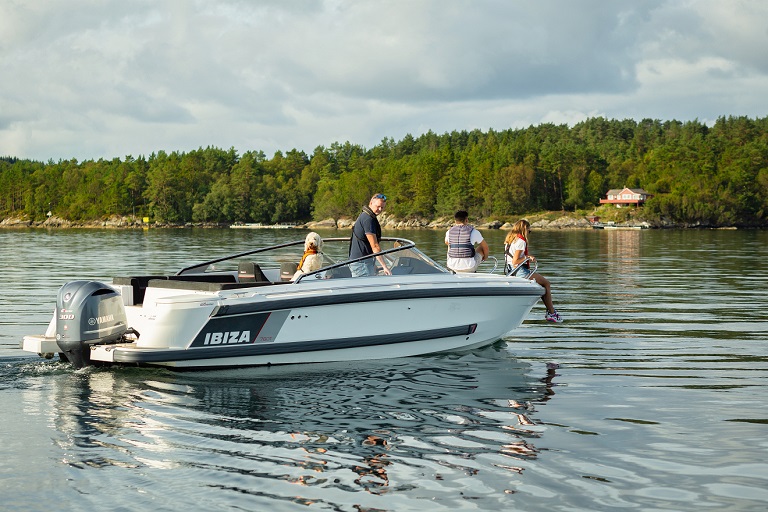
x,y
524,272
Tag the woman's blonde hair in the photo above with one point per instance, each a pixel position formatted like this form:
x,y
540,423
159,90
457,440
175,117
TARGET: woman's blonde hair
x,y
521,227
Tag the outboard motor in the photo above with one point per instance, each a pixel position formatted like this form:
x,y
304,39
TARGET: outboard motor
x,y
87,313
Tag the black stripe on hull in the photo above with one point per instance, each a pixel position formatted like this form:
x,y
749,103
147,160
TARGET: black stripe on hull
x,y
159,356
376,296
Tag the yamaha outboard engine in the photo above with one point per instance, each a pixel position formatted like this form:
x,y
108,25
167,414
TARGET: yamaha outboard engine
x,y
87,313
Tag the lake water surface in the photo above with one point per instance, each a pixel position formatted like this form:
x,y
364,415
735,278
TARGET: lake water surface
x,y
652,395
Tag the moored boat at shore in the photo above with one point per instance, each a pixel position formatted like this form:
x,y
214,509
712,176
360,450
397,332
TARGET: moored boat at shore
x,y
613,225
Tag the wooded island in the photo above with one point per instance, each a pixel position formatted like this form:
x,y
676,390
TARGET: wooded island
x,y
696,175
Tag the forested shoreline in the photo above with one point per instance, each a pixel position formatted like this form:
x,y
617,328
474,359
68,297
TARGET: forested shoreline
x,y
698,175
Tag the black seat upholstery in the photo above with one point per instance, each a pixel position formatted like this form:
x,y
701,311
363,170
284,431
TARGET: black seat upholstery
x,y
138,284
287,269
250,272
340,272
416,266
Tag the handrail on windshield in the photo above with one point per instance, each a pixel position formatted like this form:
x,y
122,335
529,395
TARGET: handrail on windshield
x,y
239,255
406,244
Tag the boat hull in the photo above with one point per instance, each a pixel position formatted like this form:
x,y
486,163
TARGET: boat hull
x,y
234,312
320,325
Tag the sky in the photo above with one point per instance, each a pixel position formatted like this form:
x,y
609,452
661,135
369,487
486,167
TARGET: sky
x,y
91,79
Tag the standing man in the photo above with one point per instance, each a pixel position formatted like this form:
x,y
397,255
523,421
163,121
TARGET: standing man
x,y
461,240
366,234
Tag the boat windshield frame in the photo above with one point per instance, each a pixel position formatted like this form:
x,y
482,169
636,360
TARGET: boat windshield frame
x,y
404,245
196,268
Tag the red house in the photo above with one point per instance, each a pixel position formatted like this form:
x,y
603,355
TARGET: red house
x,y
626,197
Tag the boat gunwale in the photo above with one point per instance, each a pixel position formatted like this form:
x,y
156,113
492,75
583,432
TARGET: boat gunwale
x,y
372,295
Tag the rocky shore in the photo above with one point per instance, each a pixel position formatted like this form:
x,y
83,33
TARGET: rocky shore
x,y
541,220
114,221
564,221
546,220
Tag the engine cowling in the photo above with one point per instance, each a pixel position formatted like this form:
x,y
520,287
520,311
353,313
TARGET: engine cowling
x,y
87,313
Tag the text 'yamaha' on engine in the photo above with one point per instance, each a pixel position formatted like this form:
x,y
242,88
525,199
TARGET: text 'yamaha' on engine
x,y
87,313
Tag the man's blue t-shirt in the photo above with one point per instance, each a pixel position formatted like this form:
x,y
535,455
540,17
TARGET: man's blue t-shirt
x,y
360,246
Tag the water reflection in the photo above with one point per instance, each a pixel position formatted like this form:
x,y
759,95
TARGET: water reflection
x,y
622,255
372,473
330,428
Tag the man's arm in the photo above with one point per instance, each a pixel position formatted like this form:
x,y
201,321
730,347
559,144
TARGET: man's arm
x,y
376,248
482,248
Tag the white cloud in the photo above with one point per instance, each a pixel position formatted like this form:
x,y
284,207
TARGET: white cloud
x,y
91,79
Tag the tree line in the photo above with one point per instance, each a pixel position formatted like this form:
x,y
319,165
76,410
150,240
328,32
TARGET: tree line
x,y
698,174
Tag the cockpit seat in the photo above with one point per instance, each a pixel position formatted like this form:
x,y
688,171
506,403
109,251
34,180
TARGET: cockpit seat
x,y
250,272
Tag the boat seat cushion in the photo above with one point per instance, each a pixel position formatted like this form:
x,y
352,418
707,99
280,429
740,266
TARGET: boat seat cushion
x,y
339,272
416,266
250,272
287,269
138,284
202,286
205,278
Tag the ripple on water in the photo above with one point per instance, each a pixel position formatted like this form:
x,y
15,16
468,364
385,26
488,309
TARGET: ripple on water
x,y
657,400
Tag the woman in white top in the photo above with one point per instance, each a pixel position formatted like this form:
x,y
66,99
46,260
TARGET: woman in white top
x,y
516,252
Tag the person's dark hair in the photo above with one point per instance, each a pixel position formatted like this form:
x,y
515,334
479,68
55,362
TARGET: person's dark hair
x,y
461,216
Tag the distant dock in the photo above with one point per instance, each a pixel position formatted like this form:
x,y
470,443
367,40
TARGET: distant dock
x,y
594,221
258,225
612,225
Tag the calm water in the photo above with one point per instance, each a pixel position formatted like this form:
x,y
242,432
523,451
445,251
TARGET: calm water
x,y
660,401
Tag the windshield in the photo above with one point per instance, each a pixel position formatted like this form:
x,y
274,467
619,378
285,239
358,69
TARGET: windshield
x,y
398,255
280,262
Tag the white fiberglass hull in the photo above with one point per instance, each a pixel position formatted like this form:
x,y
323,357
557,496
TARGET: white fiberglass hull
x,y
229,312
368,318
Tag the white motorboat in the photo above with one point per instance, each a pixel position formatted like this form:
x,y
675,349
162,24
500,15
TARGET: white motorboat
x,y
245,309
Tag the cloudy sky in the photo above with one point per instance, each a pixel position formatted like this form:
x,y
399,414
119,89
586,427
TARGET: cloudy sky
x,y
91,79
